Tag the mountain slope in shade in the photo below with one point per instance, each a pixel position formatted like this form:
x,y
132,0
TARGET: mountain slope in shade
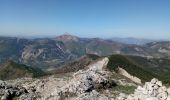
x,y
13,70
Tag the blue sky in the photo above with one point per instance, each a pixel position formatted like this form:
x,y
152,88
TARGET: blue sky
x,y
86,18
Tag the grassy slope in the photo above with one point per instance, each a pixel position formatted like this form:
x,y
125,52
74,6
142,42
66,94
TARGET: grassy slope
x,y
158,66
12,70
141,67
124,89
116,61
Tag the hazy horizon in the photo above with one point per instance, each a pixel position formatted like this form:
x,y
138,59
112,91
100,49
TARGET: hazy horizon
x,y
54,36
148,19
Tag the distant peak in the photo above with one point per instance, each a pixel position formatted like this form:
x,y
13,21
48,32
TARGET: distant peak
x,y
66,37
66,34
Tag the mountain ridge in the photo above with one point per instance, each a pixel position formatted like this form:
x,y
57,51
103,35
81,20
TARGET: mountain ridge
x,y
54,52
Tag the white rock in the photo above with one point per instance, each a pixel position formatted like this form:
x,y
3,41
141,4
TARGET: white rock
x,y
168,98
155,87
152,98
154,80
150,91
162,96
139,88
168,90
159,83
162,89
145,92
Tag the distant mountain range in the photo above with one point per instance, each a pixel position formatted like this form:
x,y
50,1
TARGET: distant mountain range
x,y
130,40
48,53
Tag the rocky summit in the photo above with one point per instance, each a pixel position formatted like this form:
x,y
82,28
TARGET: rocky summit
x,y
82,84
85,81
95,82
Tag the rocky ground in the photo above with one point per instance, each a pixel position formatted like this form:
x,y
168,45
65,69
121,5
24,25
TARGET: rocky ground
x,y
11,91
93,83
153,90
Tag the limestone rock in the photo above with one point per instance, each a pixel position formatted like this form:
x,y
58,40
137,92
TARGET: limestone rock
x,y
159,83
153,90
85,81
152,98
9,91
27,96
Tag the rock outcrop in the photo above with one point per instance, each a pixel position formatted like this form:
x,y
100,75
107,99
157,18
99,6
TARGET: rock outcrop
x,y
9,91
153,90
85,82
92,83
44,87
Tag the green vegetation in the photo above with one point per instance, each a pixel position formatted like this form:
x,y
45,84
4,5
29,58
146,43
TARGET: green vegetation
x,y
141,67
124,89
116,61
156,65
13,70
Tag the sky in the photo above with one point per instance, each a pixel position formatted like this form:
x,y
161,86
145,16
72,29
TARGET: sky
x,y
86,18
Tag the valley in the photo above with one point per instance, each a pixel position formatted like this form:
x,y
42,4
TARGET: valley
x,y
47,53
